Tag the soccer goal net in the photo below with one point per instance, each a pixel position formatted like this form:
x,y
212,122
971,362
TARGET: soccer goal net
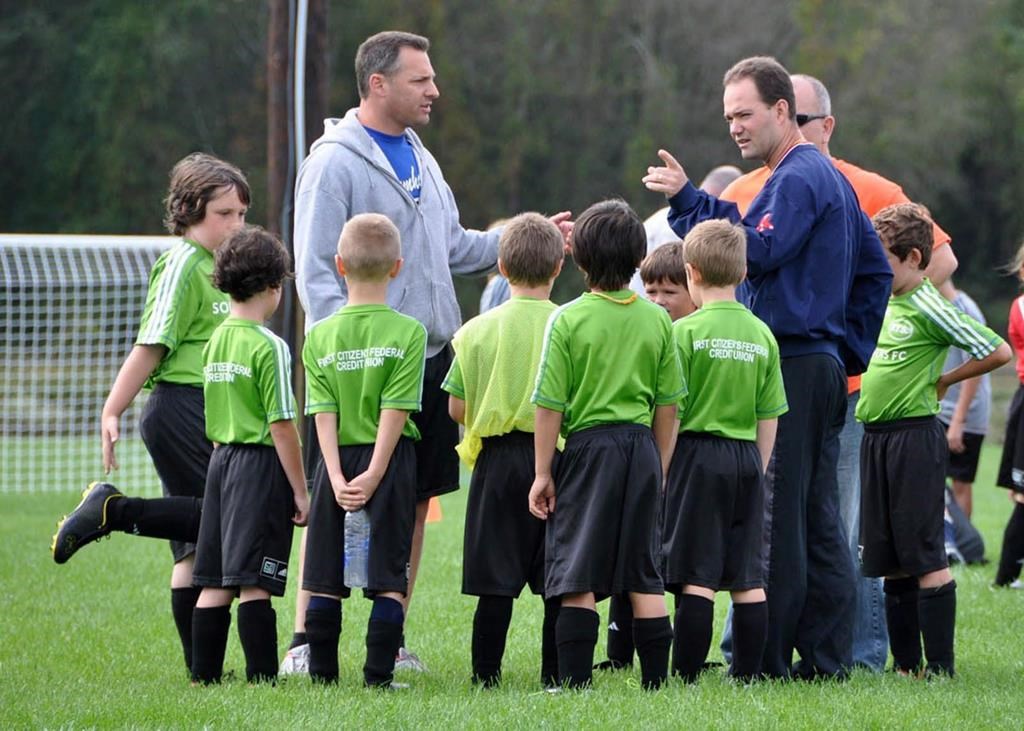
x,y
69,314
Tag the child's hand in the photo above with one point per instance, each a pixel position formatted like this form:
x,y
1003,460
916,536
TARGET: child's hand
x,y
941,386
367,484
955,437
109,433
338,486
301,516
542,496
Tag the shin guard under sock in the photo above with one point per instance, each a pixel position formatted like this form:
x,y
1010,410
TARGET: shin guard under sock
x,y
749,633
620,631
383,638
576,635
183,601
1012,552
901,616
694,619
323,628
936,609
490,631
653,638
257,631
548,644
173,518
209,641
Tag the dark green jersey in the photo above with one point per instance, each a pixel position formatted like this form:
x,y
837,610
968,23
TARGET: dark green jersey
x,y
182,310
918,329
730,362
247,383
362,359
608,361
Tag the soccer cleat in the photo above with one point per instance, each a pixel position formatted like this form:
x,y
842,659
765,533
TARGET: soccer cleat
x,y
296,661
86,523
406,660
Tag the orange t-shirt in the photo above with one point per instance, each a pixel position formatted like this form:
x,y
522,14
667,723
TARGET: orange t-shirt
x,y
873,191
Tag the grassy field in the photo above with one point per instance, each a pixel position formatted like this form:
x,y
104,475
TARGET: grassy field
x,y
91,644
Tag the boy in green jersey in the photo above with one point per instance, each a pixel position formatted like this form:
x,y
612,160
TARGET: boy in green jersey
x,y
255,486
714,508
364,375
663,275
490,383
903,455
608,370
206,202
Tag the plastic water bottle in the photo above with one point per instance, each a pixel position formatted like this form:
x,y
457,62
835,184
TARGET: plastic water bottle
x,y
357,549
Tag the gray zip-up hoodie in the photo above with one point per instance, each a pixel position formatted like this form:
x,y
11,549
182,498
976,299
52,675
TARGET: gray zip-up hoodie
x,y
345,174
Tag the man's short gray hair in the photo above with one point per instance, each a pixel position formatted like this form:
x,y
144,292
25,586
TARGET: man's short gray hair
x,y
820,93
378,54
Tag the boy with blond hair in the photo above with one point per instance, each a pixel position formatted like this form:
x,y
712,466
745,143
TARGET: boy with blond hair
x,y
364,375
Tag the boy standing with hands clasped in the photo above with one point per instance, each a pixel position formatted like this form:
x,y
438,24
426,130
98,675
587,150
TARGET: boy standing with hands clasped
x,y
255,486
714,509
490,383
364,375
903,455
608,371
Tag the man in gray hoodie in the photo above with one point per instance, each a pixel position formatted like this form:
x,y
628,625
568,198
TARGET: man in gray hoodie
x,y
371,161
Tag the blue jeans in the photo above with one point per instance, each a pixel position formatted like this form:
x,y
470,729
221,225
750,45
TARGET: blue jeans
x,y
870,637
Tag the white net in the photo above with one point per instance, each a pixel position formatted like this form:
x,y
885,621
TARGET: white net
x,y
69,313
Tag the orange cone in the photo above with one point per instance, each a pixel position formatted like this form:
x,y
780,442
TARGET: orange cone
x,y
434,511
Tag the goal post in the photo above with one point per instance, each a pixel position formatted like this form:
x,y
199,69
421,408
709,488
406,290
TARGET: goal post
x,y
69,314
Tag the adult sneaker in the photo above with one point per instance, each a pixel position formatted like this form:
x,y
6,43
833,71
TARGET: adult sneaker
x,y
406,660
296,661
86,523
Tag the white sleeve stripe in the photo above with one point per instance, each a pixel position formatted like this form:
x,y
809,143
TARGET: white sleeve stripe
x,y
170,280
941,313
282,361
544,349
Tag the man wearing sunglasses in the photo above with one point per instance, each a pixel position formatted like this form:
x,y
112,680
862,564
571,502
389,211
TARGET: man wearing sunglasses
x,y
814,116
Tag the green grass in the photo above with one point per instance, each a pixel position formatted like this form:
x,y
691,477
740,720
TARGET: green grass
x,y
91,644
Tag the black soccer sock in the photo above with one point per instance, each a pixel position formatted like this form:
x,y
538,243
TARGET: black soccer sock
x,y
383,638
172,518
210,640
323,628
620,633
901,617
490,630
576,634
548,644
183,601
695,616
1012,552
937,611
749,633
653,638
257,631
298,639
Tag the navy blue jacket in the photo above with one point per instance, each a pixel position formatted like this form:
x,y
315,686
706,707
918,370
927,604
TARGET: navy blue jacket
x,y
816,272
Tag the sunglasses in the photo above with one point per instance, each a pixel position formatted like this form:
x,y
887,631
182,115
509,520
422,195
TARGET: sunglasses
x,y
802,119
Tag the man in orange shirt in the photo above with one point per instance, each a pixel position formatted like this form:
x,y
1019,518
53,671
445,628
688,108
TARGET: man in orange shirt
x,y
814,115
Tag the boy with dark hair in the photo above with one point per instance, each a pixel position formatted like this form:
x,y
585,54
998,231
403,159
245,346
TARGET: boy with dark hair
x,y
903,455
255,486
608,371
206,202
714,509
490,383
364,375
663,275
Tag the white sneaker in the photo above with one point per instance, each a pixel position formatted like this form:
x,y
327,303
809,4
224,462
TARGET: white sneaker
x,y
1017,584
296,661
406,660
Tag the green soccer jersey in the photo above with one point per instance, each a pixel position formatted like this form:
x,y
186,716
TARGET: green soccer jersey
x,y
495,367
362,359
182,310
247,383
608,360
916,333
730,363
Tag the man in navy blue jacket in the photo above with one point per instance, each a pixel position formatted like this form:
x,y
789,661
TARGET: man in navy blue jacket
x,y
817,275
